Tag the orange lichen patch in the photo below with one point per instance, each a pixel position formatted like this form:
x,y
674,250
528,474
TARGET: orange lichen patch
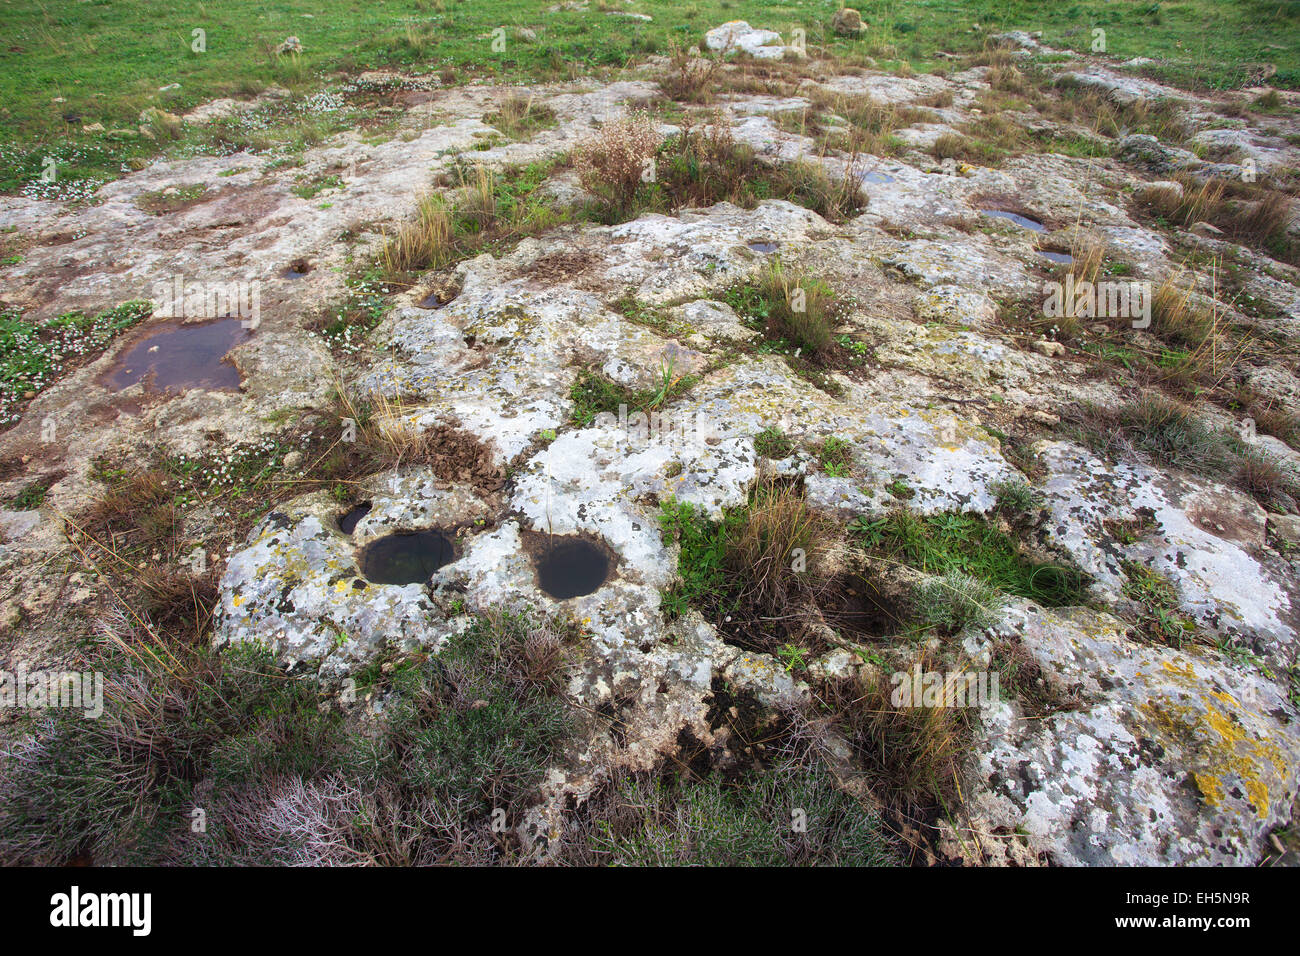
x,y
1222,748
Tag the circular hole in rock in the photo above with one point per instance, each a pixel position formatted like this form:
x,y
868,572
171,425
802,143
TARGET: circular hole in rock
x,y
297,269
407,557
569,566
1019,219
348,521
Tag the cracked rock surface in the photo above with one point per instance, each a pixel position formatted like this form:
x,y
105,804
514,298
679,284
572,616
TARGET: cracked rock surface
x,y
1165,755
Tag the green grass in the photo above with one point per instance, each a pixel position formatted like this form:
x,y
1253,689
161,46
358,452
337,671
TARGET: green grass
x,y
796,312
65,67
468,731
1160,618
953,600
309,188
835,456
771,442
654,317
785,815
593,394
701,565
345,325
163,201
752,571
941,544
130,48
1016,497
494,211
31,497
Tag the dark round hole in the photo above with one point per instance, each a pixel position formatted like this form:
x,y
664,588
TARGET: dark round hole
x,y
297,269
571,567
348,522
406,558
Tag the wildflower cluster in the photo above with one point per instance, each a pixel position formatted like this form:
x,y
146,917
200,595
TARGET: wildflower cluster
x,y
33,355
245,466
360,312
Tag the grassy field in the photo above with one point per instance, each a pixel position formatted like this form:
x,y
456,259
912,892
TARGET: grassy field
x,y
69,65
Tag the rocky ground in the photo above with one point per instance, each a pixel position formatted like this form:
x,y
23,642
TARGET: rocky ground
x,y
1150,749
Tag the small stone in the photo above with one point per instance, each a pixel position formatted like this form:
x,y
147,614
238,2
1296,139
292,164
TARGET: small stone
x,y
1049,348
847,22
1161,189
1285,528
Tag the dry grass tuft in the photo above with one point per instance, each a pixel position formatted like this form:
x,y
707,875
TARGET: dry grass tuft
x,y
1261,220
762,551
801,309
1008,79
518,116
913,756
389,435
690,79
425,243
1088,250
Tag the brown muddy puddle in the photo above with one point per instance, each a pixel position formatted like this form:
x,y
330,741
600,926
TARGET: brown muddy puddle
x,y
174,356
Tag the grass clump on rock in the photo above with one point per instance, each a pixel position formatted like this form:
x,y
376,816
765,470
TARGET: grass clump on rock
x,y
284,774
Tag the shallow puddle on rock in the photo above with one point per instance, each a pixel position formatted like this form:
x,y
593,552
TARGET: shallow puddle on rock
x,y
406,558
871,176
1018,219
348,521
175,356
297,269
764,246
1062,257
569,566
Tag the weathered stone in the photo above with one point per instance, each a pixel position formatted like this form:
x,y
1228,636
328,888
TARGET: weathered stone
x,y
737,35
1145,150
1171,757
1286,528
1166,756
848,22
